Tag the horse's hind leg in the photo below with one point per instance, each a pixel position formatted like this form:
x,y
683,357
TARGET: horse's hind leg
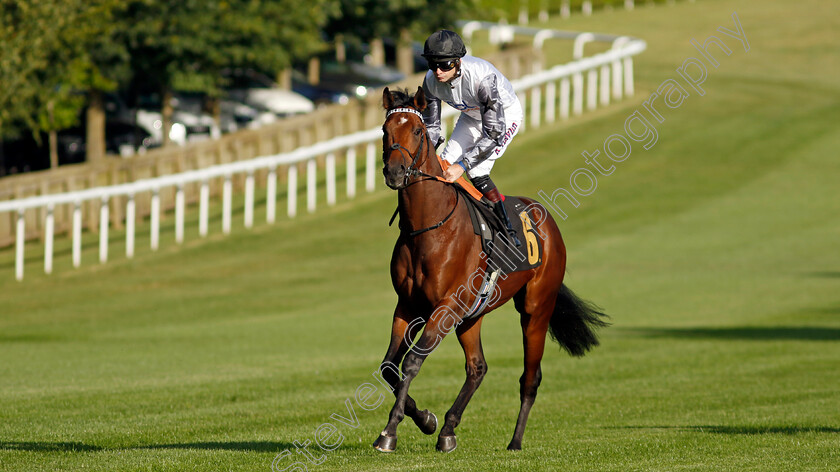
x,y
535,321
469,335
424,419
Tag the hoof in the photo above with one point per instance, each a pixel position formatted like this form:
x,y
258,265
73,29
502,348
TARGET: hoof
x,y
385,443
446,443
514,447
428,425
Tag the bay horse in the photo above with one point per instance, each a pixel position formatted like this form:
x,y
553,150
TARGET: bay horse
x,y
436,253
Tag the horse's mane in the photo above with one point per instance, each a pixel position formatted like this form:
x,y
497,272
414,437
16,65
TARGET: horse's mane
x,y
402,99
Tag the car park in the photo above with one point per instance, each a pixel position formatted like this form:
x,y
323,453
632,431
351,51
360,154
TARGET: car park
x,y
259,91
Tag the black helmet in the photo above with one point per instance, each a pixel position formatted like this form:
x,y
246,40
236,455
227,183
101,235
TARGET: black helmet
x,y
444,44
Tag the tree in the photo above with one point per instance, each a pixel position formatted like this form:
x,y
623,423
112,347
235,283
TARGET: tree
x,y
185,45
52,53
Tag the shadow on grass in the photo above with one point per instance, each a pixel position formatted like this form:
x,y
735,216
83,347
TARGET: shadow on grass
x,y
754,333
825,274
250,446
745,430
49,446
253,446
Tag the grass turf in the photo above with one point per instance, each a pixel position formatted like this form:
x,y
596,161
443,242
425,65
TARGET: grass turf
x,y
715,252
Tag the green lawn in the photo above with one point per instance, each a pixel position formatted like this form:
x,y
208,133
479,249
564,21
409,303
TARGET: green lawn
x,y
715,252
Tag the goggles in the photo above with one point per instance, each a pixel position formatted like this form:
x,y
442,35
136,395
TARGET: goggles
x,y
445,66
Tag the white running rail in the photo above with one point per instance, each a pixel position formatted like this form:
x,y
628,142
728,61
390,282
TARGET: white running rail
x,y
615,67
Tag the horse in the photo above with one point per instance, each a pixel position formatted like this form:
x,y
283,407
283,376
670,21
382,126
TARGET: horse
x,y
436,253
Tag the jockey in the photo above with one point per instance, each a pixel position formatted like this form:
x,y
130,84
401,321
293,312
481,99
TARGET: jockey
x,y
490,114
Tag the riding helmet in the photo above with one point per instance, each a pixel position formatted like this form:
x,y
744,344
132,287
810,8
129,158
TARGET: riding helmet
x,y
444,44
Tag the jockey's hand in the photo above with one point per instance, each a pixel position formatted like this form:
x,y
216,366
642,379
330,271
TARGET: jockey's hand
x,y
453,172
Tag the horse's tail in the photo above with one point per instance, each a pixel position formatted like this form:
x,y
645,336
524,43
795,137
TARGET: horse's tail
x,y
574,321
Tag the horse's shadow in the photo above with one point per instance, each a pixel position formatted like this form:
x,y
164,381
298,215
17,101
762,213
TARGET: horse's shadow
x,y
744,430
244,446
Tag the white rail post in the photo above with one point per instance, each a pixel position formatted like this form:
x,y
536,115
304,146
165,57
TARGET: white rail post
x,y
20,236
155,235
550,100
577,78
565,87
592,89
77,234
203,208
49,237
628,4
577,93
227,204
370,171
628,76
605,85
311,182
291,202
179,214
271,196
130,216
565,9
617,77
536,105
586,8
351,172
331,179
249,200
103,230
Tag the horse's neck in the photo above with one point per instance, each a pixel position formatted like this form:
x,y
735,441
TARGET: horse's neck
x,y
425,202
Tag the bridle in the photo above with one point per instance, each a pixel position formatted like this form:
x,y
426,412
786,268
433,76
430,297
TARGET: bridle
x,y
411,171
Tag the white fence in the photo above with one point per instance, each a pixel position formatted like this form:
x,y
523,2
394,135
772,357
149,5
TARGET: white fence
x,y
597,79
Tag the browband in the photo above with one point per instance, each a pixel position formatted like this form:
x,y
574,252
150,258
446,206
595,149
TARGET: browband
x,y
404,110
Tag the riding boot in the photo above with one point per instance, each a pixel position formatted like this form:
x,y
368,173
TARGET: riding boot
x,y
501,212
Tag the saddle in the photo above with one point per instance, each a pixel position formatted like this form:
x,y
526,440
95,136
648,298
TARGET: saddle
x,y
501,253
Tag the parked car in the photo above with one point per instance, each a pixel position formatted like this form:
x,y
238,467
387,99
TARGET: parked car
x,y
319,94
25,154
355,79
237,115
361,53
259,91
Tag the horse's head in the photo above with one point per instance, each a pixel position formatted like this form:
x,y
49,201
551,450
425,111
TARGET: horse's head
x,y
405,142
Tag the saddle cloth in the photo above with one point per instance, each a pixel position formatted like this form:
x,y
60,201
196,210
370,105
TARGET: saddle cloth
x,y
497,245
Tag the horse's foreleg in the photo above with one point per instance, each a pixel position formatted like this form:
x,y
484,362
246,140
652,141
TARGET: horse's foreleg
x,y
425,420
432,335
469,335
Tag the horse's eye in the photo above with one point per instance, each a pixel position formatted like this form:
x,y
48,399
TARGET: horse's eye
x,y
418,131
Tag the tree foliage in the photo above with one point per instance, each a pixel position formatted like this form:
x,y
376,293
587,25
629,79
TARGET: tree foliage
x,y
52,52
56,53
186,44
363,20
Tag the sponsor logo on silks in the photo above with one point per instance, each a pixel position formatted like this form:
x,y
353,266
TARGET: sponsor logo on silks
x,y
506,138
461,106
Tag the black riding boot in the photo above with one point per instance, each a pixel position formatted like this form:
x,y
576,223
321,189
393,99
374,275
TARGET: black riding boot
x,y
487,188
501,212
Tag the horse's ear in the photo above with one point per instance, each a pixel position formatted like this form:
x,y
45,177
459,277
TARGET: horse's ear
x,y
387,99
420,99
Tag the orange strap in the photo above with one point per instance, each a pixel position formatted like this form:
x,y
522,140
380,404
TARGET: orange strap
x,y
461,181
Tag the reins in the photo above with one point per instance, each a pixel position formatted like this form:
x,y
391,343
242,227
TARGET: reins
x,y
412,172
